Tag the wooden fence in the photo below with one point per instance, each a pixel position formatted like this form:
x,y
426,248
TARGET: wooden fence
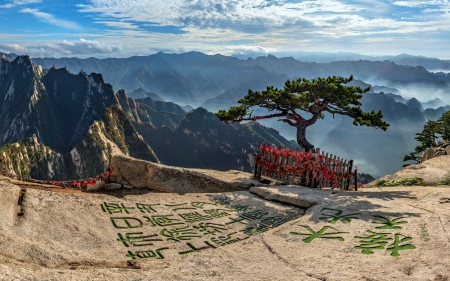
x,y
304,168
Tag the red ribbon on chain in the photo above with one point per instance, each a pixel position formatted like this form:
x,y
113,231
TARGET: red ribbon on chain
x,y
303,161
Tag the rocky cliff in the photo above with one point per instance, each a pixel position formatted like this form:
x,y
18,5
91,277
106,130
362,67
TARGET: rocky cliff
x,y
31,159
84,120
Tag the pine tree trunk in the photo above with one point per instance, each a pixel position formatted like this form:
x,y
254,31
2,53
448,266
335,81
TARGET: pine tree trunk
x,y
301,139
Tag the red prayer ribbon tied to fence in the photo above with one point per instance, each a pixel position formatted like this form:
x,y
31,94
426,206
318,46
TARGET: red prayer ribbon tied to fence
x,y
316,164
66,184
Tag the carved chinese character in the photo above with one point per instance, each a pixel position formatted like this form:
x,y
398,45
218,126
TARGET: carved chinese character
x,y
185,207
217,213
256,229
194,249
235,220
178,234
254,215
162,220
146,208
238,208
395,246
200,204
375,241
210,228
389,224
337,216
274,221
124,222
136,239
195,217
221,200
114,208
225,240
147,254
319,234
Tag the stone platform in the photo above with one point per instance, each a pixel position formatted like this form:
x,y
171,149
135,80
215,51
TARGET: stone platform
x,y
265,233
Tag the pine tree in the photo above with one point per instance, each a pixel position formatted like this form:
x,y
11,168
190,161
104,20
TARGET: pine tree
x,y
428,136
443,125
315,96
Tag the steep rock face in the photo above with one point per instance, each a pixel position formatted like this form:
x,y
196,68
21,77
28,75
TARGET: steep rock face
x,y
31,159
21,95
58,107
201,140
78,115
112,134
147,110
78,100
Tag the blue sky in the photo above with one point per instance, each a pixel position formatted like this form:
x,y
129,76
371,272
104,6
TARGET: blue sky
x,y
123,28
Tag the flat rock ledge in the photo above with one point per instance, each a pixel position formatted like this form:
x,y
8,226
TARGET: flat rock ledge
x,y
265,233
432,171
138,173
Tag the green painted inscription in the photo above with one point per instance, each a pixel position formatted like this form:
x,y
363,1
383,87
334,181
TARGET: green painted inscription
x,y
195,249
124,223
389,224
337,216
147,254
180,233
375,241
319,234
136,239
378,241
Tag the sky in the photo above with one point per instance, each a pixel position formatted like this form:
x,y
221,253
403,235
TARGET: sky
x,y
124,28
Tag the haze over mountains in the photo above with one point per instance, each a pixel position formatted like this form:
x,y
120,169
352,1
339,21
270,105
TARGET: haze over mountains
x,y
156,127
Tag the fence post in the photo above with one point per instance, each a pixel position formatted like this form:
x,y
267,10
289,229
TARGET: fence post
x,y
256,165
316,158
356,181
329,168
350,166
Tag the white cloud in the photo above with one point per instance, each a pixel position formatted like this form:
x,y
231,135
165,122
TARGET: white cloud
x,y
234,14
46,17
16,3
13,48
246,49
421,3
281,19
67,48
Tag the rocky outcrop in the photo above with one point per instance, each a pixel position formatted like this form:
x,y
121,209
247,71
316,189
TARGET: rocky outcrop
x,y
31,159
144,174
260,234
432,171
443,148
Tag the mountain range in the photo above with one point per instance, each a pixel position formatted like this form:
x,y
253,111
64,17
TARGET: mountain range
x,y
200,80
79,115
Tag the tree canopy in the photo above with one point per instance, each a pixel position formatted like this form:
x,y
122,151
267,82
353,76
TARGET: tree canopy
x,y
316,96
432,130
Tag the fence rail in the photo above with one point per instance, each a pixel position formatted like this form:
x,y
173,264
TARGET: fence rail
x,y
304,168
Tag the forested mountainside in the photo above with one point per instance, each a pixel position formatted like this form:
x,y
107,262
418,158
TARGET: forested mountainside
x,y
29,158
83,120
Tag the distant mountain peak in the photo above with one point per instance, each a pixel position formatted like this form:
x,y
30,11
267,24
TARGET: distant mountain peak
x,y
413,102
